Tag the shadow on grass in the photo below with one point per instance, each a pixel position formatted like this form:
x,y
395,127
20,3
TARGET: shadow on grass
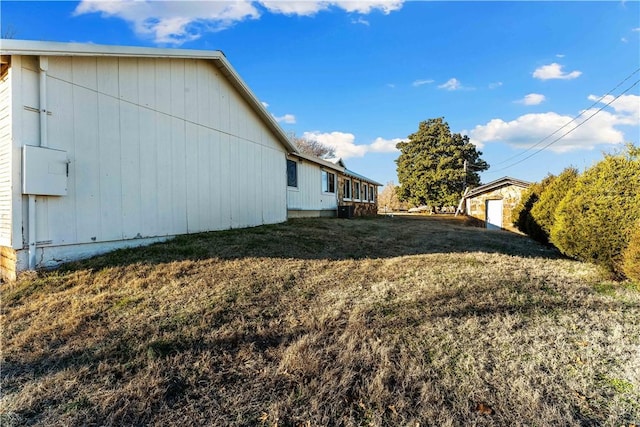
x,y
116,363
332,239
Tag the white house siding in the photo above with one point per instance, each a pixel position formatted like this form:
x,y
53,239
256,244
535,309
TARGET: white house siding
x,y
157,147
20,117
308,196
5,161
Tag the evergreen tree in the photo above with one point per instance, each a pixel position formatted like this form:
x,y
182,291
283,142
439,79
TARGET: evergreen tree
x,y
595,220
431,166
522,216
544,211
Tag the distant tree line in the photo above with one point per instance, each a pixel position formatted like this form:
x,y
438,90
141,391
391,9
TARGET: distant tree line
x,y
593,216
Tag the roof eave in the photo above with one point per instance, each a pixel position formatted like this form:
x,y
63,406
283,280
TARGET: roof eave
x,y
318,161
361,177
37,47
235,79
501,182
40,48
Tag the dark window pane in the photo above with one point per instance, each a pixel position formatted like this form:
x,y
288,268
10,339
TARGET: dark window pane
x,y
292,173
328,182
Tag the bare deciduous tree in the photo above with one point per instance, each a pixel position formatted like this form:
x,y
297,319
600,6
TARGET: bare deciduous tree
x,y
388,198
9,32
313,147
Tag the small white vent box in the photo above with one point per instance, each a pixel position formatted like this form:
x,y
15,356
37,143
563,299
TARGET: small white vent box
x,y
44,171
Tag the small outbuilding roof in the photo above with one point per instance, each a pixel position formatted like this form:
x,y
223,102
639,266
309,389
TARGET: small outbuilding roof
x,y
10,47
498,183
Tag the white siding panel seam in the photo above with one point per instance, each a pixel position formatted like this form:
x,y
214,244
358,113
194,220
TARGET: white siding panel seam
x,y
156,148
155,110
86,137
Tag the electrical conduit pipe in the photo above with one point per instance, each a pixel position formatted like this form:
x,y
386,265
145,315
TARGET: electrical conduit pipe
x,y
44,66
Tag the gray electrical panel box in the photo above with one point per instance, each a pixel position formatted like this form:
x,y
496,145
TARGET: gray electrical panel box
x,y
44,171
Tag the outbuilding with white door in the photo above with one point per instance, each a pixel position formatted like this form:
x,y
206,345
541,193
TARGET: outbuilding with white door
x,y
494,202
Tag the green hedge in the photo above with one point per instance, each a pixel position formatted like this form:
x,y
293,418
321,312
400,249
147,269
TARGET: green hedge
x,y
631,256
521,215
595,220
543,211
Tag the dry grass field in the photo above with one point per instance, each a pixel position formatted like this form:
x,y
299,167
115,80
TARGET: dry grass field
x,y
325,322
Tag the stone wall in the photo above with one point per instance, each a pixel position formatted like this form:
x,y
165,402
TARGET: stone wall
x,y
510,196
359,208
8,260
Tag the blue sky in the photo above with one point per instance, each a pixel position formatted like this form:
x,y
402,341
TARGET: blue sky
x,y
361,75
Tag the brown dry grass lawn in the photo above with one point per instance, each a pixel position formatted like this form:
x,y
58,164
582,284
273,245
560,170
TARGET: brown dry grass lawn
x,y
385,321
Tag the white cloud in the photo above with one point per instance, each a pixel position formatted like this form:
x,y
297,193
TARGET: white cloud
x,y
345,146
360,20
367,6
627,107
343,143
532,99
560,55
311,7
172,21
529,129
264,104
417,83
289,119
495,85
451,84
554,71
176,22
381,145
636,29
303,8
600,128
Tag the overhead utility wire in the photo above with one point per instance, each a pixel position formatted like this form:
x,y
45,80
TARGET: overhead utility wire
x,y
569,122
569,131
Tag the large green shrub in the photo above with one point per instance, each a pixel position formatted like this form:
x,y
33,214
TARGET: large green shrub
x,y
544,210
631,255
595,220
521,215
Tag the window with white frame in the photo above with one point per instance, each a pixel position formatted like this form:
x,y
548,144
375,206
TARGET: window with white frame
x,y
292,173
371,194
365,192
347,189
328,182
356,190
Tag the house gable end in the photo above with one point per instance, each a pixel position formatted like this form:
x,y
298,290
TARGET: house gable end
x,y
217,58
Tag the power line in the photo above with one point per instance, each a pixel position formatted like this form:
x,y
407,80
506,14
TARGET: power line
x,y
569,122
569,131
